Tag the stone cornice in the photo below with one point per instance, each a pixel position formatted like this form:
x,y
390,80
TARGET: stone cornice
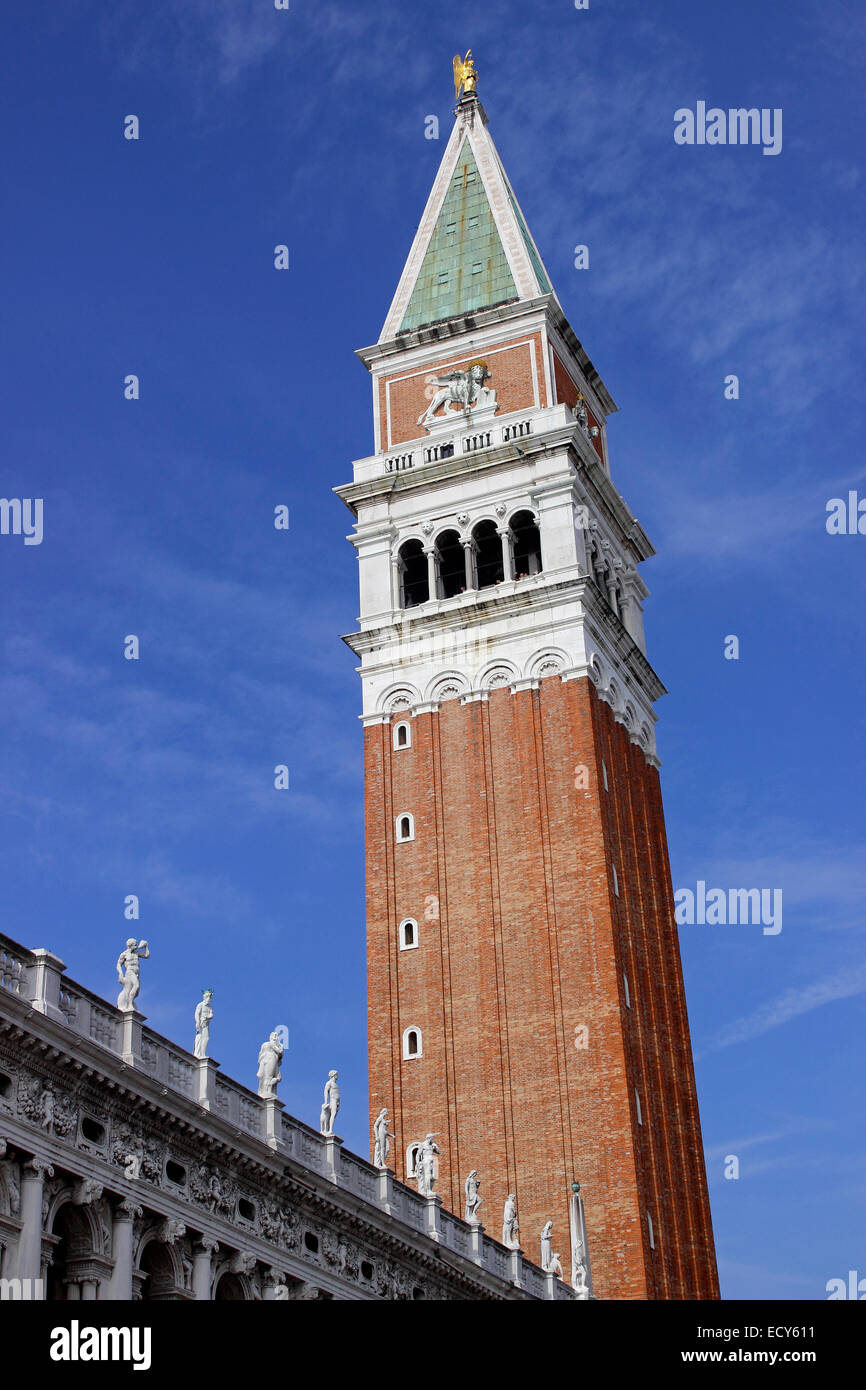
x,y
574,345
446,330
609,495
623,644
428,475
511,601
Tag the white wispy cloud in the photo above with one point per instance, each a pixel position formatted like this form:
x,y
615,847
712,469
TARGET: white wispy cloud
x,y
218,44
793,1003
149,751
754,523
804,1125
839,37
822,879
753,296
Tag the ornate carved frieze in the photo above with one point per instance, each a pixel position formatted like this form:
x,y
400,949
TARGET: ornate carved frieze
x,y
53,1111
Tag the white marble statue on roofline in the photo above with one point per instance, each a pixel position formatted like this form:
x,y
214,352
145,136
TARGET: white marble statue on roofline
x,y
425,1166
546,1244
510,1223
330,1104
472,1191
269,1075
578,1270
129,972
203,1016
579,1283
381,1139
461,393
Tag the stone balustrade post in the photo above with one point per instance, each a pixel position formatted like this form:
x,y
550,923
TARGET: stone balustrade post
x,y
385,1189
272,1122
45,984
433,1220
476,1242
131,1022
332,1159
206,1082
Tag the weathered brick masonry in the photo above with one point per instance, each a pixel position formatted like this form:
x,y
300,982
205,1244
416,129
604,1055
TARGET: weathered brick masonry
x,y
518,369
530,944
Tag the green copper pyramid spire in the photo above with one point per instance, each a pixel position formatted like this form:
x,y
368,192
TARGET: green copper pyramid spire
x,y
465,267
473,250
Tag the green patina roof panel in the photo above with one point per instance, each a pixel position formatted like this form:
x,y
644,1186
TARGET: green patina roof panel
x,y
465,267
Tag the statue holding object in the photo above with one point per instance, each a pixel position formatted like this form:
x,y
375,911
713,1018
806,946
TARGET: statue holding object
x,y
129,972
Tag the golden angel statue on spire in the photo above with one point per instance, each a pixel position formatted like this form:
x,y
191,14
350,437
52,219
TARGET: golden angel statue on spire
x,y
465,75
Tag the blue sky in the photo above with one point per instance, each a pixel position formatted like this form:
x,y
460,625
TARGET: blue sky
x,y
156,257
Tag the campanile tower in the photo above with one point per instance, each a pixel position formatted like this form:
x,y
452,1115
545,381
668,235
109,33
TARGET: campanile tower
x,y
526,999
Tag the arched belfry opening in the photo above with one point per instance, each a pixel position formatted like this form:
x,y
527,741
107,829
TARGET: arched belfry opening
x,y
412,567
526,543
451,564
489,568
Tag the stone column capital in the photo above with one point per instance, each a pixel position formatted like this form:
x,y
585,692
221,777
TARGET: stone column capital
x,y
38,1168
127,1210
